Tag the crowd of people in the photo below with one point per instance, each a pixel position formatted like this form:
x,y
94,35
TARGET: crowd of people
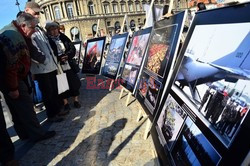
x,y
27,53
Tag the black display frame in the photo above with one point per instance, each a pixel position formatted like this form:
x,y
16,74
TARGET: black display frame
x,y
177,23
90,71
236,151
125,83
118,36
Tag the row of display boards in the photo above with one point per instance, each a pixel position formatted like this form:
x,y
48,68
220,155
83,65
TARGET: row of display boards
x,y
198,101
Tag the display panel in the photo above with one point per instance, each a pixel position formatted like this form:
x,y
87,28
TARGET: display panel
x,y
162,51
217,77
135,58
210,84
93,56
114,56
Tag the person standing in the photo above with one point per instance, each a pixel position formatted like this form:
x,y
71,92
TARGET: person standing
x,y
45,73
65,50
15,63
201,6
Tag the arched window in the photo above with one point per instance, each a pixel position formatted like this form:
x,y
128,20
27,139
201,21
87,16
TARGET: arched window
x,y
75,34
130,6
91,8
132,25
57,13
47,16
123,8
117,25
115,8
106,8
94,29
138,8
70,10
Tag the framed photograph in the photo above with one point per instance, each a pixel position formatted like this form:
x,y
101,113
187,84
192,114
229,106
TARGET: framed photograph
x,y
135,58
159,60
79,52
170,122
215,76
193,148
115,55
93,56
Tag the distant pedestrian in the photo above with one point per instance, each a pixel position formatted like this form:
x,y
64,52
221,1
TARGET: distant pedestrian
x,y
201,6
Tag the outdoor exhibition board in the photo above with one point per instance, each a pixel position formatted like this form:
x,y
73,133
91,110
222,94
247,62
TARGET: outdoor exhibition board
x,y
159,60
115,55
135,58
204,117
93,56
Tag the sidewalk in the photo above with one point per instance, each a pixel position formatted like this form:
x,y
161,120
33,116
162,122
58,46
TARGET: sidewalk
x,y
102,132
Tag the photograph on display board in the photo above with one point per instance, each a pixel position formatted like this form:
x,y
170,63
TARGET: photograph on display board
x,y
137,49
170,122
110,68
79,52
152,93
215,76
159,49
114,56
93,56
135,58
193,148
143,87
130,73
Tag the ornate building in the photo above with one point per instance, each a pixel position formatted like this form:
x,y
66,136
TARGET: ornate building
x,y
80,17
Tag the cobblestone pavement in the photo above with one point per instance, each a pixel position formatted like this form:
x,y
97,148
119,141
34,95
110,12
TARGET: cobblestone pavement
x,y
102,132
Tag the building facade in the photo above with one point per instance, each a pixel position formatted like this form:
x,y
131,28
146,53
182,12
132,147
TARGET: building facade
x,y
80,17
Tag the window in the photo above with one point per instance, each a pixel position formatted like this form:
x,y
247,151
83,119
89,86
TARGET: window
x,y
138,8
75,34
115,9
70,11
130,7
117,25
139,20
94,29
108,23
47,14
123,8
57,13
106,8
91,8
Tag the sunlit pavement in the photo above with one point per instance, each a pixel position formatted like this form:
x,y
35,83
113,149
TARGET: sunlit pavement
x,y
102,132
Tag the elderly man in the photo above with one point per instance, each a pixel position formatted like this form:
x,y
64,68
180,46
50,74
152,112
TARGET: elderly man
x,y
15,63
45,73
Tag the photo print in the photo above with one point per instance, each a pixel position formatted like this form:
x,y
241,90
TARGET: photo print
x,y
130,73
170,122
116,49
193,148
110,68
137,49
160,45
153,91
143,88
216,77
93,55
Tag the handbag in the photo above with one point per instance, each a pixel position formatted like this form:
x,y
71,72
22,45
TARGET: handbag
x,y
62,81
74,66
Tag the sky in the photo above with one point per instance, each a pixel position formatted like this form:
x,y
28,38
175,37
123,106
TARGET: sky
x,y
8,11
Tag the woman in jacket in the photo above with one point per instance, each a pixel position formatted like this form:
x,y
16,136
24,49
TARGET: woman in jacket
x,y
64,49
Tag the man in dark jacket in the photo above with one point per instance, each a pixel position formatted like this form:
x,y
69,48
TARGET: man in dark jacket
x,y
16,65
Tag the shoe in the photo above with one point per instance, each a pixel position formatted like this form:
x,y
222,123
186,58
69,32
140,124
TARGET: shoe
x,y
77,104
55,119
47,135
65,111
